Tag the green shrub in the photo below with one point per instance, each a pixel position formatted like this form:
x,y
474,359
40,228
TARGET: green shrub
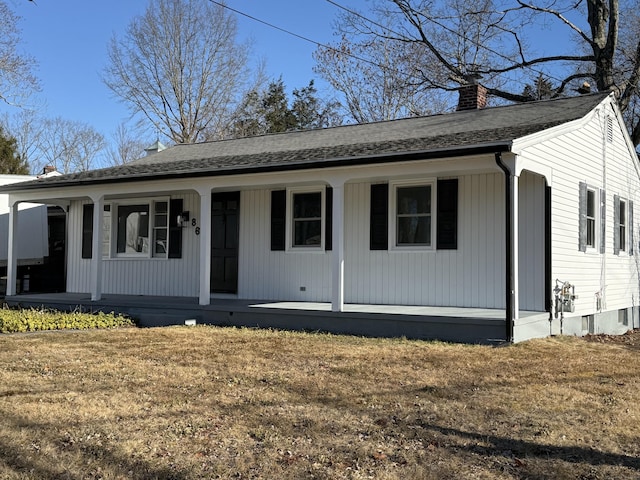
x,y
31,320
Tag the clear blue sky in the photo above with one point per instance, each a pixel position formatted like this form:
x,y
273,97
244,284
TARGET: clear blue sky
x,y
68,39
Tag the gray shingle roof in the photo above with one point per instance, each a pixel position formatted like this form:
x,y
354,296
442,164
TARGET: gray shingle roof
x,y
467,131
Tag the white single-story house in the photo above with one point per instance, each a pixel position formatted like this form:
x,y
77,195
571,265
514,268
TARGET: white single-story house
x,y
506,223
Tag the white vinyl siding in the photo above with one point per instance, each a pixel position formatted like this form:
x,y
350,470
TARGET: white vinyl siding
x,y
531,235
276,275
472,275
136,276
577,157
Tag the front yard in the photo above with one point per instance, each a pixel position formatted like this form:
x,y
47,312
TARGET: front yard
x,y
203,402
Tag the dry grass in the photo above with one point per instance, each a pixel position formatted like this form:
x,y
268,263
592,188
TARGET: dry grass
x,y
190,403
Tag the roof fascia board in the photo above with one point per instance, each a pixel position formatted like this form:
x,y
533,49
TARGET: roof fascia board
x,y
394,158
521,143
627,138
470,164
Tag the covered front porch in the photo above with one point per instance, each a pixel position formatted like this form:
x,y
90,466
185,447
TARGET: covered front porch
x,y
468,325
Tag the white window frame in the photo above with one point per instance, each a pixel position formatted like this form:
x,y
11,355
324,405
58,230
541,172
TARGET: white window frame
x,y
154,228
595,219
107,228
393,216
289,231
623,211
111,220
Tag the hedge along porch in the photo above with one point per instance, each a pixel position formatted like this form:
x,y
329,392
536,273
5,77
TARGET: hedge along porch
x,y
456,210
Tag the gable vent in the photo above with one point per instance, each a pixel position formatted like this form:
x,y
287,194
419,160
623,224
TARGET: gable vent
x,y
609,129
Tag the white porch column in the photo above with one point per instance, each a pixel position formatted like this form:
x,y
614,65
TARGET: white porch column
x,y
337,284
96,248
12,253
516,242
205,247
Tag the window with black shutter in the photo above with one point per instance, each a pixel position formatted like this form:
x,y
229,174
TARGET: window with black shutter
x,y
447,216
278,219
175,230
328,225
379,217
87,230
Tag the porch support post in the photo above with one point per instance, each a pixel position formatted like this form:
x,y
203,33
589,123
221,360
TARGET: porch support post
x,y
12,253
96,248
337,239
205,247
515,222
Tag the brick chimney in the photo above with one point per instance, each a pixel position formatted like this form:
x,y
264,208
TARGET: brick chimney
x,y
48,169
472,97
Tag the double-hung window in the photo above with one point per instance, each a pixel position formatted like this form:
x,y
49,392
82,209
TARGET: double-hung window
x,y
591,218
622,225
306,219
413,215
160,229
301,219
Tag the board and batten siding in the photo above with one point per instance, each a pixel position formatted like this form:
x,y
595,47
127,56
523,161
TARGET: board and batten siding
x,y
276,275
584,155
149,276
531,241
471,276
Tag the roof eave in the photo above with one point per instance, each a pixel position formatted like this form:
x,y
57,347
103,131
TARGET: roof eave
x,y
442,153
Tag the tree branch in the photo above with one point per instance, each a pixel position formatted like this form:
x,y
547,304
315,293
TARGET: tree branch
x,y
559,16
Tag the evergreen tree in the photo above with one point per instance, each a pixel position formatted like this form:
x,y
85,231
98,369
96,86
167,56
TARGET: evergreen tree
x,y
542,89
10,161
268,111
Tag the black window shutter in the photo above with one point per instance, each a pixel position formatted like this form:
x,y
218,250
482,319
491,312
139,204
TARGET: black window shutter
x,y
175,231
379,220
328,224
630,227
582,218
87,230
278,219
616,225
603,220
447,216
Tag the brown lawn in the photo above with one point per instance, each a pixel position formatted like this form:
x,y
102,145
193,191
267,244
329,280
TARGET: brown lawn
x,y
202,402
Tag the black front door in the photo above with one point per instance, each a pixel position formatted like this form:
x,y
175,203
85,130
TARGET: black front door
x,y
225,211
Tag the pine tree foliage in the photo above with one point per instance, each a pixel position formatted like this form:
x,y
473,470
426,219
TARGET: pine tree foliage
x,y
271,111
10,161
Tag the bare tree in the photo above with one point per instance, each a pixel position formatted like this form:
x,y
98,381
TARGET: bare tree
x,y
17,80
494,41
27,128
70,146
180,67
374,78
126,147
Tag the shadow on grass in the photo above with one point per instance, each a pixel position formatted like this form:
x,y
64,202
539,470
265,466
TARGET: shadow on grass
x,y
89,460
500,445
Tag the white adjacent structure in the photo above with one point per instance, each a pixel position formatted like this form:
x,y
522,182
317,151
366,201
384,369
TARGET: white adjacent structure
x,y
520,209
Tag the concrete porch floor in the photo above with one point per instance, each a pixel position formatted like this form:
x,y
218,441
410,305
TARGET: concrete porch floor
x,y
469,325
